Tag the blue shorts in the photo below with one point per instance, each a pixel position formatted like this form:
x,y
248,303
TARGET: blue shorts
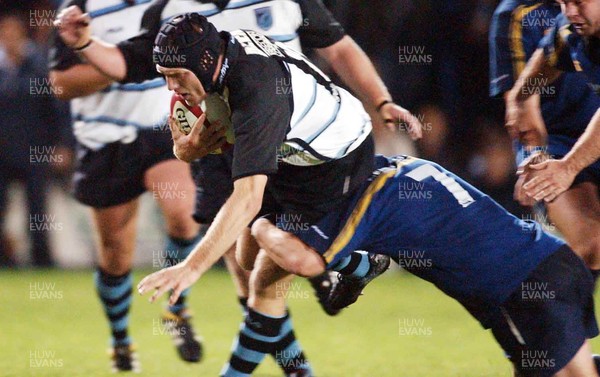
x,y
115,174
546,320
558,147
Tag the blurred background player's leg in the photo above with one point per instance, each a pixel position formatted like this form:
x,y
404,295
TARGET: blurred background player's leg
x,y
173,188
37,187
6,248
116,230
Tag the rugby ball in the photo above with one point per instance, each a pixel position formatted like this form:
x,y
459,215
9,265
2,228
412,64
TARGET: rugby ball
x,y
185,115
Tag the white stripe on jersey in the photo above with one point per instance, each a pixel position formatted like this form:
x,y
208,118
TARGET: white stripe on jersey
x,y
332,128
326,122
115,114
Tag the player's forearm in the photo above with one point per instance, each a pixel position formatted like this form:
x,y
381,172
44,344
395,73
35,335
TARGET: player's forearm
x,y
355,68
235,215
533,131
536,74
78,81
587,149
107,58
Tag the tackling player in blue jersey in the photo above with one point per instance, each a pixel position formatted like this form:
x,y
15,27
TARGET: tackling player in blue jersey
x,y
506,272
567,106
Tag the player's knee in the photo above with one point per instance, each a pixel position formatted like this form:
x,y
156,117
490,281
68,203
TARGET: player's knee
x,y
113,247
115,253
270,238
182,225
244,260
116,267
115,258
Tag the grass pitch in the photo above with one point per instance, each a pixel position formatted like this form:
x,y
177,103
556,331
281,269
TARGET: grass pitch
x,y
51,324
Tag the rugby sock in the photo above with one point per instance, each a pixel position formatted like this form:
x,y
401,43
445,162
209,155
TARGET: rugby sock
x,y
356,264
260,335
287,351
177,250
115,293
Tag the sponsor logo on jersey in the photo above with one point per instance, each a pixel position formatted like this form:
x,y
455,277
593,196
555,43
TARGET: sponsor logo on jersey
x,y
264,18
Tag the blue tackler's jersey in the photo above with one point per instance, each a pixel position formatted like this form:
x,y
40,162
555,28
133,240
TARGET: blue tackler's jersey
x,y
517,28
438,227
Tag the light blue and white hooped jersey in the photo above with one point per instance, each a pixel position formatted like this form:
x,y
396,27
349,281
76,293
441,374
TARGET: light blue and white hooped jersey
x,y
116,113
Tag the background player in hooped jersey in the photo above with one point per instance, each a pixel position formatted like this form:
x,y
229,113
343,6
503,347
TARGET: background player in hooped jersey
x,y
287,21
567,106
570,47
492,262
121,153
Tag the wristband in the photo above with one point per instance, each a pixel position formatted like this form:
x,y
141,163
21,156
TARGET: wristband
x,y
383,103
534,150
533,155
86,45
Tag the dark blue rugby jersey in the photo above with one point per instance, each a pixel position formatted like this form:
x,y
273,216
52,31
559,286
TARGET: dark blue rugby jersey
x,y
517,28
568,51
438,227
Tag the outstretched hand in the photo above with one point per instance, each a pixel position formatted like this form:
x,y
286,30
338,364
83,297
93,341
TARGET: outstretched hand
x,y
176,278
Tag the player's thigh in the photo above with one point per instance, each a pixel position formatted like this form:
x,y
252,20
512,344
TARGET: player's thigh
x,y
116,230
576,213
172,186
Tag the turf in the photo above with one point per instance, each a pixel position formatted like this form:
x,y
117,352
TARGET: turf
x,y
51,325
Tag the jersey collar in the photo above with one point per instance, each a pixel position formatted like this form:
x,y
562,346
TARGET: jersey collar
x,y
232,49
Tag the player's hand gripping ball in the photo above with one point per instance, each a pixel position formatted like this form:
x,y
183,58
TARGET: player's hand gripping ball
x,y
185,115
